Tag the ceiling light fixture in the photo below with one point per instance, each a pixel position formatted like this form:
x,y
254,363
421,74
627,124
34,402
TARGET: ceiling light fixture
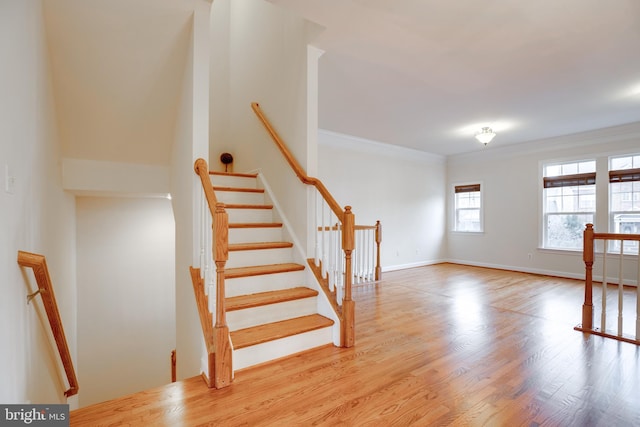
x,y
485,135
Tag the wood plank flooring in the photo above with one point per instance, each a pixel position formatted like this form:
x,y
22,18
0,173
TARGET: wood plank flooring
x,y
436,346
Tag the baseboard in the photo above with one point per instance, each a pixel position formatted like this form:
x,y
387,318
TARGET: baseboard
x,y
552,273
411,265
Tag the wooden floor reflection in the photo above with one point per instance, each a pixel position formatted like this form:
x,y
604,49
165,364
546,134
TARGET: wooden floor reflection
x,y
437,345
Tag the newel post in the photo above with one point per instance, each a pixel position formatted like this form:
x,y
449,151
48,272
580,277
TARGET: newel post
x,y
348,305
222,367
378,241
587,256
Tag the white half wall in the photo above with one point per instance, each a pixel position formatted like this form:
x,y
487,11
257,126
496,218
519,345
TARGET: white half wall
x,y
92,177
402,188
126,299
36,215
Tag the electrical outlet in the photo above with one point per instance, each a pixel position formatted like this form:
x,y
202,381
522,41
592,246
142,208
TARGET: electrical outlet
x,y
9,181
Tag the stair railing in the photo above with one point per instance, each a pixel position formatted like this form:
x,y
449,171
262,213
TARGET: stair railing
x,y
337,269
365,256
367,253
217,338
45,289
590,236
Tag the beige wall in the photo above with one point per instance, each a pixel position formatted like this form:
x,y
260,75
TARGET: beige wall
x,y
512,194
402,188
126,299
265,48
191,141
38,216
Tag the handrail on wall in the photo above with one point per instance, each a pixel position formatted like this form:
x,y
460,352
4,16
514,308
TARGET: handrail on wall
x,y
45,288
297,169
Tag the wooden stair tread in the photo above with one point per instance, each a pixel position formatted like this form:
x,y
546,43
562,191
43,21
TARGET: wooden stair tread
x,y
255,225
257,270
273,331
246,206
242,175
266,298
239,189
259,245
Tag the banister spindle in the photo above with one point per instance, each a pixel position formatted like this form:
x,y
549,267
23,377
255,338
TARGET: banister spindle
x,y
638,294
620,288
603,313
378,241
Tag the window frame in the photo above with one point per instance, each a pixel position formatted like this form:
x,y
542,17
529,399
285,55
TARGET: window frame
x,y
621,176
561,181
467,187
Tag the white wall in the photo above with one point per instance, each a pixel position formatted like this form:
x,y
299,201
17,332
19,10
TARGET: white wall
x,y
191,141
402,188
512,188
126,299
266,49
38,217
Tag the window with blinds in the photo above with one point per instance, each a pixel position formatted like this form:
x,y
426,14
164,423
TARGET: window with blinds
x,y
569,202
624,199
467,208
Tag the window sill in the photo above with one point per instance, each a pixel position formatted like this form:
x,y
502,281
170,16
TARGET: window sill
x,y
559,251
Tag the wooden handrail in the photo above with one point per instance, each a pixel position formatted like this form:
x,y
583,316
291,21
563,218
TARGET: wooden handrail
x,y
355,227
202,170
297,169
346,218
45,288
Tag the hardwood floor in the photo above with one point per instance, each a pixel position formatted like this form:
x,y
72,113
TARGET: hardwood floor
x,y
435,346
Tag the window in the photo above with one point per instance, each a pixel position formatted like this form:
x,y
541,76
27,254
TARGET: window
x,y
468,208
624,199
569,203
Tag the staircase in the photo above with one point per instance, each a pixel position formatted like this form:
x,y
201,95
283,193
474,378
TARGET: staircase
x,y
270,312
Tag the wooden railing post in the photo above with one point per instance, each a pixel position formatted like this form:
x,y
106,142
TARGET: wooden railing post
x,y
348,305
173,366
587,307
378,275
222,363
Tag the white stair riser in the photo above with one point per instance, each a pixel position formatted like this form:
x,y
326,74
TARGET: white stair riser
x,y
248,317
263,283
259,257
254,355
240,197
250,215
234,181
254,235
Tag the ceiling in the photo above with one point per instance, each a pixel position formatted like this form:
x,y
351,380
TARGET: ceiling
x,y
428,74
